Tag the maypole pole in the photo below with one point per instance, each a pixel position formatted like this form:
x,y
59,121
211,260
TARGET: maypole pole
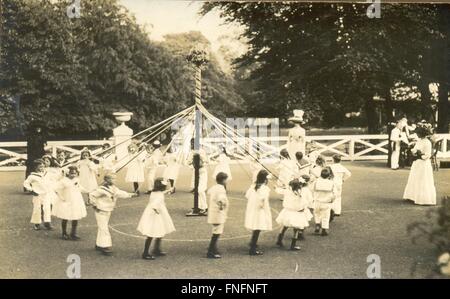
x,y
198,58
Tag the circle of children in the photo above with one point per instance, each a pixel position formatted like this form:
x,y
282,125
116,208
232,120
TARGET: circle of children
x,y
306,183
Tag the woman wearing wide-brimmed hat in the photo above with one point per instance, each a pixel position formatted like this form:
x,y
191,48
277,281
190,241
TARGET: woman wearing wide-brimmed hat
x,y
296,136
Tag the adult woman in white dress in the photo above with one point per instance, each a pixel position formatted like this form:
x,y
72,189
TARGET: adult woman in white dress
x,y
296,135
420,187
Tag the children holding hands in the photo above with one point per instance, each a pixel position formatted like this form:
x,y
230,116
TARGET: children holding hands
x,y
104,201
155,222
37,185
69,205
295,213
258,216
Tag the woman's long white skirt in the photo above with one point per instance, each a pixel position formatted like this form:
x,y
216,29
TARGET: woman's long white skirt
x,y
420,187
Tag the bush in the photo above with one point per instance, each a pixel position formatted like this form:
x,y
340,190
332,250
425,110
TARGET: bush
x,y
437,231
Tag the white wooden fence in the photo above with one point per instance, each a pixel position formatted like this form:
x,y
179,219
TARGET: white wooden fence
x,y
13,154
350,147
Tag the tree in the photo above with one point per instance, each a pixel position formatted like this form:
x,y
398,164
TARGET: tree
x,y
73,73
330,58
219,89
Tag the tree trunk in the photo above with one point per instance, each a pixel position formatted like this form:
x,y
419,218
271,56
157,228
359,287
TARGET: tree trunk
x,y
371,115
443,109
389,109
444,73
425,97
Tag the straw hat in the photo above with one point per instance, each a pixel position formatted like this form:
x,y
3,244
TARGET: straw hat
x,y
298,116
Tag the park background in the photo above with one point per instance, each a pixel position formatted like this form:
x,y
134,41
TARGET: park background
x,y
350,73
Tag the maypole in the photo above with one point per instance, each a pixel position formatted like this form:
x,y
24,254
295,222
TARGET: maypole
x,y
198,58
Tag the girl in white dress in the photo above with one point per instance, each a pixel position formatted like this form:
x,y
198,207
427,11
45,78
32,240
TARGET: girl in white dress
x,y
218,212
155,221
295,213
172,170
287,169
420,187
340,174
60,160
69,205
223,165
108,159
88,171
258,216
135,168
153,158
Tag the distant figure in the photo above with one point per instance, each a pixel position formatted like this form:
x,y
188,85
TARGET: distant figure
x,y
287,168
172,169
153,159
296,135
36,141
396,139
223,165
135,167
316,169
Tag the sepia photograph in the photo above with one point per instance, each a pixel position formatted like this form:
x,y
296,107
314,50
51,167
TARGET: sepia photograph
x,y
195,141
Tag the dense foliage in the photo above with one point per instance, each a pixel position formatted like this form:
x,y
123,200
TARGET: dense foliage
x,y
331,59
73,73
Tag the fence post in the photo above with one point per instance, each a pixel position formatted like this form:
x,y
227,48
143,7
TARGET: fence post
x,y
444,146
351,150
